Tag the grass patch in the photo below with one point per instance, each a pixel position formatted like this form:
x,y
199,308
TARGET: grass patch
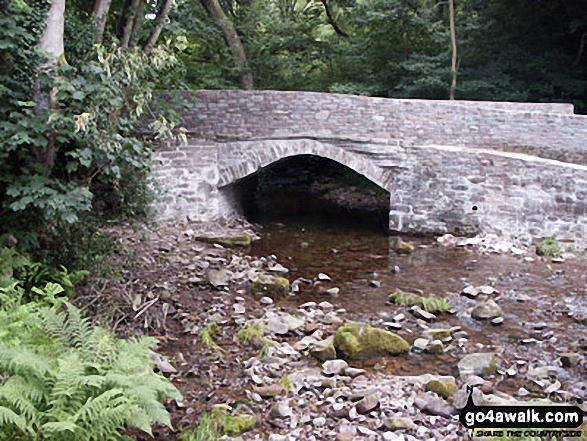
x,y
434,305
207,334
252,333
548,247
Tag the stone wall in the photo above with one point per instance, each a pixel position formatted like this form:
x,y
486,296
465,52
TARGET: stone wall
x,y
513,168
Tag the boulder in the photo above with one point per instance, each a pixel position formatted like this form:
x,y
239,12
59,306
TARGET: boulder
x,y
480,364
443,388
270,284
355,340
486,310
367,404
282,323
323,350
219,277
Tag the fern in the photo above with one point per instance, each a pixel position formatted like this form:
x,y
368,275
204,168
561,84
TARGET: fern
x,y
82,384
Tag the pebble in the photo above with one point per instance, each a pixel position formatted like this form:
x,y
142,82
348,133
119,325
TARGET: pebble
x,y
319,422
238,308
333,291
470,291
324,277
375,284
266,300
497,321
326,305
523,392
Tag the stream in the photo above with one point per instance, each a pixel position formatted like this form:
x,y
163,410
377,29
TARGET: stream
x,y
355,251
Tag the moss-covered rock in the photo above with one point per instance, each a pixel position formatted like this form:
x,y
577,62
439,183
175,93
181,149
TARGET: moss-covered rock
x,y
481,364
271,284
404,248
443,388
355,340
228,242
232,425
548,247
438,334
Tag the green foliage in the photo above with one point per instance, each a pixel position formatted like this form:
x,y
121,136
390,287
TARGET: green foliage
x,y
79,152
434,305
252,333
207,336
219,422
548,247
78,382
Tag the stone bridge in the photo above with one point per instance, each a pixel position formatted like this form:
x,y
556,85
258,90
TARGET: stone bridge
x,y
511,168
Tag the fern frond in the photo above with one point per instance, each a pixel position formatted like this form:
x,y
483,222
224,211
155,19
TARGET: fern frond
x,y
70,328
10,418
22,361
64,428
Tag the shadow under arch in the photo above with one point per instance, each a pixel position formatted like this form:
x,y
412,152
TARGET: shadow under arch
x,y
311,191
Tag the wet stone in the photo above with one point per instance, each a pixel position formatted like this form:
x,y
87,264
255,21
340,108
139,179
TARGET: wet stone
x,y
570,359
420,313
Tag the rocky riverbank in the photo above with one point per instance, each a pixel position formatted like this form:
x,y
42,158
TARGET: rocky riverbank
x,y
237,343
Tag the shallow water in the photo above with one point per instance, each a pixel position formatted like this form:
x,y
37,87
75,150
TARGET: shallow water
x,y
352,254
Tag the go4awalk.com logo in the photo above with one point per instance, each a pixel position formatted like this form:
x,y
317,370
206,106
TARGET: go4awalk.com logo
x,y
545,421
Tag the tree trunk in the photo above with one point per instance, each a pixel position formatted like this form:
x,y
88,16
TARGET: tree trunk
x,y
100,14
453,39
136,26
131,15
51,44
159,23
232,40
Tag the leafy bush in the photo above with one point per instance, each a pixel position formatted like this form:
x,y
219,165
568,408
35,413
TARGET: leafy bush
x,y
68,381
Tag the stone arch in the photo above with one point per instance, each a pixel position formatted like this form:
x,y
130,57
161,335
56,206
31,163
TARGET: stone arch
x,y
237,160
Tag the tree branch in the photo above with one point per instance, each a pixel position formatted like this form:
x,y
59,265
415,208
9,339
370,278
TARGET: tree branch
x,y
331,21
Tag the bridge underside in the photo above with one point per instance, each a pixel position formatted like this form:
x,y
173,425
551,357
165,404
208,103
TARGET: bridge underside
x,y
448,168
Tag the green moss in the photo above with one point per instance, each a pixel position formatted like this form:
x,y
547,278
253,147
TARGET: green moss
x,y
286,382
404,248
492,368
445,389
228,242
271,284
212,426
438,334
354,340
548,247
